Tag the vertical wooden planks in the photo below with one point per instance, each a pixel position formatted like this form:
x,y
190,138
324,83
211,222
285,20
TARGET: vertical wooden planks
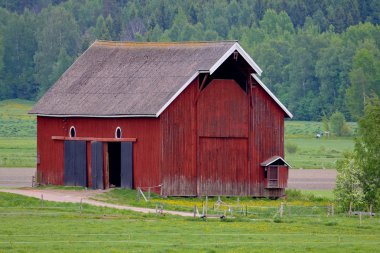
x,y
178,166
267,137
97,165
75,163
222,111
126,165
223,166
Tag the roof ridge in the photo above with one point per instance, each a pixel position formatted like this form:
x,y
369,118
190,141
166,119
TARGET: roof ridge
x,y
158,43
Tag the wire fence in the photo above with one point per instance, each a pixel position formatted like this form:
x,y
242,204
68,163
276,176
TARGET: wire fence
x,y
218,208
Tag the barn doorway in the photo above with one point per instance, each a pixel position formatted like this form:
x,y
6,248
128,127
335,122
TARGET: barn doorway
x,y
120,164
114,164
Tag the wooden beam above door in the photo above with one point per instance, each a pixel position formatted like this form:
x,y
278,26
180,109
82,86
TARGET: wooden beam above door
x,y
65,138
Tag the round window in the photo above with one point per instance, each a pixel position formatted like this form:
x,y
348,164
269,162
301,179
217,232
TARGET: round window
x,y
118,133
72,132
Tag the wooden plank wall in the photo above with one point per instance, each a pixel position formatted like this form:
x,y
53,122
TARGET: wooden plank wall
x,y
283,176
223,166
146,150
267,133
178,156
223,139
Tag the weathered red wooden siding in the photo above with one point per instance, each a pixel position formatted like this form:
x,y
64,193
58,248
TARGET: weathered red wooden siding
x,y
267,133
223,110
223,166
178,157
283,176
49,152
146,155
223,118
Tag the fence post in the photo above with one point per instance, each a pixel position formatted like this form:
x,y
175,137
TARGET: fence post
x,y
332,209
206,204
282,209
246,210
42,200
195,211
148,193
289,211
80,207
138,194
370,211
360,218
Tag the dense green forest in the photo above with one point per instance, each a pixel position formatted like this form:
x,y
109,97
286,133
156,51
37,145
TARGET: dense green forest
x,y
318,56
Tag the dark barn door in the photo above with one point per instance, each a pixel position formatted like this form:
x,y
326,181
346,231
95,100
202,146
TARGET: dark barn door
x,y
126,166
75,163
97,165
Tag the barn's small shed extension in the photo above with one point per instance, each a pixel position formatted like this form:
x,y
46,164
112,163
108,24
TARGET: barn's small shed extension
x,y
192,118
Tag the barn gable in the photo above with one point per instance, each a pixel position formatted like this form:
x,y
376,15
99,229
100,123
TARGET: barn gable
x,y
128,79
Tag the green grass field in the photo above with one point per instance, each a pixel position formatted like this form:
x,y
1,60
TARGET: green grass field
x,y
27,225
18,142
313,153
17,134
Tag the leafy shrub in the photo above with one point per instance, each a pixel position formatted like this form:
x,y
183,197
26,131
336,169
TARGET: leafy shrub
x,y
348,188
338,124
291,148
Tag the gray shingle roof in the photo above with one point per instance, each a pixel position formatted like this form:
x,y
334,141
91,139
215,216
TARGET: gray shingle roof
x,y
127,78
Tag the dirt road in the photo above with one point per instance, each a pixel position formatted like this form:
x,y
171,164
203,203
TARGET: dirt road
x,y
312,179
16,177
298,179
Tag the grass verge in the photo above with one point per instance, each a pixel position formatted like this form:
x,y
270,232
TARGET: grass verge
x,y
28,227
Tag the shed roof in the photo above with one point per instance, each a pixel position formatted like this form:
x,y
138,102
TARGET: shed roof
x,y
129,79
275,159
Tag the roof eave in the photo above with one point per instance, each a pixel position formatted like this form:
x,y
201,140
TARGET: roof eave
x,y
287,112
274,159
95,116
179,92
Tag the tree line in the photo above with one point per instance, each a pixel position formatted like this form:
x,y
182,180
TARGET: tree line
x,y
318,57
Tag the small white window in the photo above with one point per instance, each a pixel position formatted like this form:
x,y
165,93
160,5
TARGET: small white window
x,y
118,133
72,132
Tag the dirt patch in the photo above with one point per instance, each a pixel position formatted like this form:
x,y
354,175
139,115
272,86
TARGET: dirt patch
x,y
312,179
16,177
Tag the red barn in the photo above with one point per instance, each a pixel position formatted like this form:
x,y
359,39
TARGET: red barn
x,y
192,118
